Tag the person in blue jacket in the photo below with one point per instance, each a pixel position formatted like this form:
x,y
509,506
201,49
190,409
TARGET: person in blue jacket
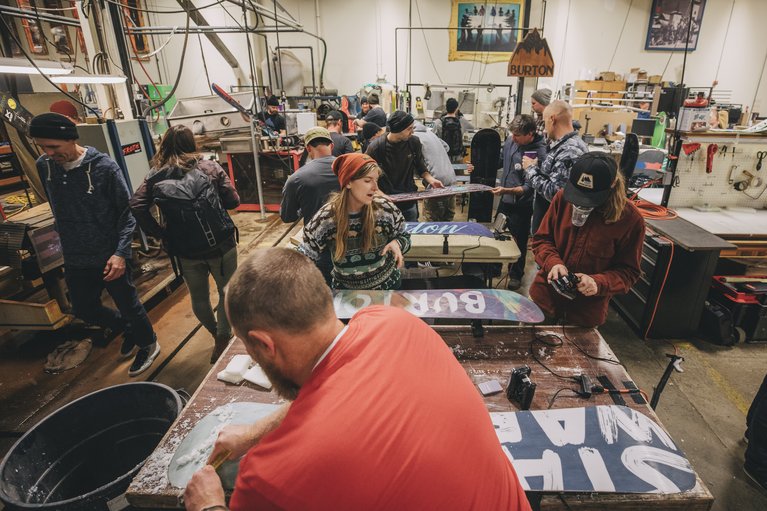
x,y
89,201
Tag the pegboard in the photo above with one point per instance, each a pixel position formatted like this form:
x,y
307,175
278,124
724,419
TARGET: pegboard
x,y
695,187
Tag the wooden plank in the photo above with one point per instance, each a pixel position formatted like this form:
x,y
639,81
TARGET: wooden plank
x,y
490,357
32,316
468,249
598,119
600,88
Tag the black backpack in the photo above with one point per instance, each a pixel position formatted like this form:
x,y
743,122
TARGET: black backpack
x,y
451,134
195,221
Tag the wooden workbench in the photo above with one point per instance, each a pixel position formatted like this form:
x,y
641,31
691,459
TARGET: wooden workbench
x,y
461,249
491,357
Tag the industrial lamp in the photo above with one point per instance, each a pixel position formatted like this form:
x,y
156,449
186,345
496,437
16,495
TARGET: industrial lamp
x,y
80,78
24,67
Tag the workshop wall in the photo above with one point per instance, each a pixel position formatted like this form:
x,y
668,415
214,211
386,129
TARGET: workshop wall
x,y
582,35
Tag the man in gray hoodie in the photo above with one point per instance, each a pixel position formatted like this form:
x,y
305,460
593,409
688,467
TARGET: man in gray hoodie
x,y
441,209
89,201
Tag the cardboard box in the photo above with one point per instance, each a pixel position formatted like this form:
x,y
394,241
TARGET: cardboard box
x,y
654,79
607,76
693,119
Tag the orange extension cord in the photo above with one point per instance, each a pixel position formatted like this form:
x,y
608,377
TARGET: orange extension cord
x,y
649,209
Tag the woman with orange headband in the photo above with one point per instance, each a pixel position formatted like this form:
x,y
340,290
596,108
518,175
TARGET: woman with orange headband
x,y
364,232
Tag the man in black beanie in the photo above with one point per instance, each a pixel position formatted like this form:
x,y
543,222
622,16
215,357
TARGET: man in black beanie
x,y
400,156
370,132
272,118
89,200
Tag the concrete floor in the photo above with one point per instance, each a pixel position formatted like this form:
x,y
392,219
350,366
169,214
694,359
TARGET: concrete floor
x,y
703,408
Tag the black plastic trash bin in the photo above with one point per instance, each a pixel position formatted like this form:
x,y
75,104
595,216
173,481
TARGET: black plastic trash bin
x,y
87,452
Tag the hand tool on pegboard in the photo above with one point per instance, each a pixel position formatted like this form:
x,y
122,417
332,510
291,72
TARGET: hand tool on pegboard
x,y
710,152
689,149
760,155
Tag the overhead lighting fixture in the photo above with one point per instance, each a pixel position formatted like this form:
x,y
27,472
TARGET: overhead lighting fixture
x,y
79,78
21,66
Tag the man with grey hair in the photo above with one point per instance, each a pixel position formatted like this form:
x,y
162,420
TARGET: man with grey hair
x,y
549,176
516,193
329,448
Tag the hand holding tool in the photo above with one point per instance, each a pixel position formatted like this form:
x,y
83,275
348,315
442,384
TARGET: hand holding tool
x,y
220,459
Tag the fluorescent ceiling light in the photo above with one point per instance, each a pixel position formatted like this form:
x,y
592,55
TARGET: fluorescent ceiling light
x,y
21,66
83,78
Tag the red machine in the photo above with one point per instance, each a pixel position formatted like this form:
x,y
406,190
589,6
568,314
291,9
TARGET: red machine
x,y
736,310
275,167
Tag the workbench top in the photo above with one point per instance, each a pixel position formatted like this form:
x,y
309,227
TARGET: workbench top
x,y
491,357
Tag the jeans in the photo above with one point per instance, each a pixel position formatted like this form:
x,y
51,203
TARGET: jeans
x,y
196,275
756,422
441,209
518,220
409,210
85,288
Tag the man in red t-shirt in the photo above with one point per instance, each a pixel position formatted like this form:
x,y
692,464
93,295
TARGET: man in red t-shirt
x,y
382,414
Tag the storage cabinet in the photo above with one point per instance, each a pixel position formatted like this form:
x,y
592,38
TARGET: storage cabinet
x,y
684,256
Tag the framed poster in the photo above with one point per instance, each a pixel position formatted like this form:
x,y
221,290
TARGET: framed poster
x,y
33,30
485,32
669,21
134,17
60,33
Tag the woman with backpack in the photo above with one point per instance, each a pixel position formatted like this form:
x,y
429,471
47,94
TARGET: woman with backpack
x,y
193,195
364,231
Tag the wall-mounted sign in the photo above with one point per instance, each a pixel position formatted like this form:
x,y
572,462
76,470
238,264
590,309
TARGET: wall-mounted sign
x,y
532,58
132,148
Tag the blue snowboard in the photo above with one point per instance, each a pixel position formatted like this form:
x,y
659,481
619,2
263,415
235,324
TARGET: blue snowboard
x,y
605,449
454,228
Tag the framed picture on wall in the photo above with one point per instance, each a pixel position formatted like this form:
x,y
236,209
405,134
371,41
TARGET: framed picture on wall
x,y
59,32
134,17
33,30
485,32
669,22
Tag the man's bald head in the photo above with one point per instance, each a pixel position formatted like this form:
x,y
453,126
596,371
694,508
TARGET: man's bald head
x,y
559,108
558,119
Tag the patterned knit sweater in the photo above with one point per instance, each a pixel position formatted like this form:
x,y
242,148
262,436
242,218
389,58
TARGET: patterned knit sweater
x,y
358,269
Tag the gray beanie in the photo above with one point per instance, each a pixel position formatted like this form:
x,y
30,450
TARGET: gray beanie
x,y
542,96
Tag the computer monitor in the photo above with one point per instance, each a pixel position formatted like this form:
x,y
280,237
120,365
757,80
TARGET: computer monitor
x,y
643,127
